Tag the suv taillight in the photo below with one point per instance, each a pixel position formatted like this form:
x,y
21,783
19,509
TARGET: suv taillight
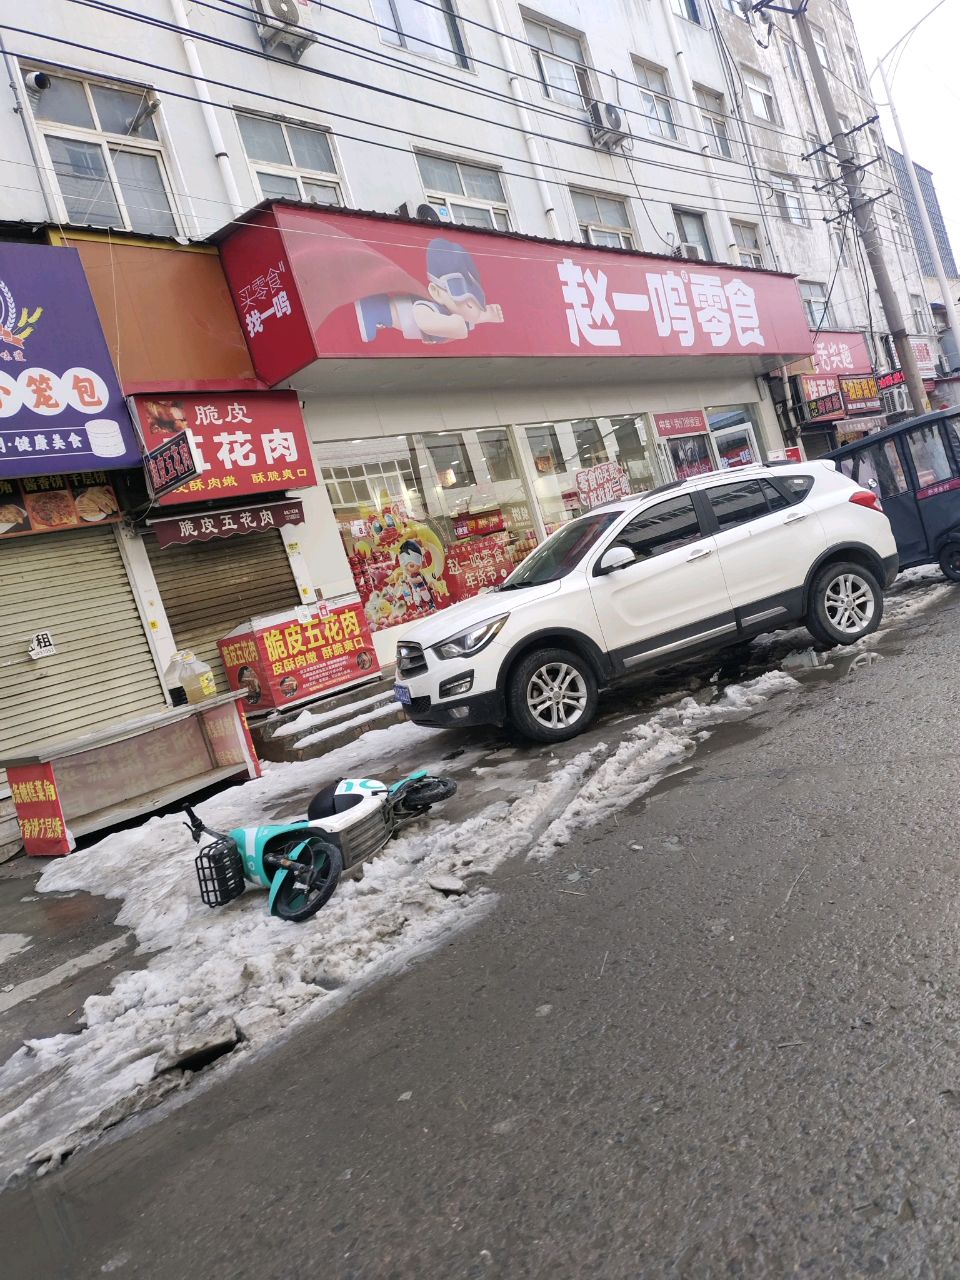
x,y
866,498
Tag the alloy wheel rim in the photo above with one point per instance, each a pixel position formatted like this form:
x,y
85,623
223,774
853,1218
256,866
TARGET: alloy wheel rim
x,y
849,603
557,695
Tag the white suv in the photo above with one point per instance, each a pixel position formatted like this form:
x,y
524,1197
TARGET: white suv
x,y
639,583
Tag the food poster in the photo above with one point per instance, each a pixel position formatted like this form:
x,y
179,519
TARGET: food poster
x,y
288,660
49,504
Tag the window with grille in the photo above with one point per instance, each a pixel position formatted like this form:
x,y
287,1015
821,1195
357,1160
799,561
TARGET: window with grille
x,y
107,155
473,193
603,219
290,161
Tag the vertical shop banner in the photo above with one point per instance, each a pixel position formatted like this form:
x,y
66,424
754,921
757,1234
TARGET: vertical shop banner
x,y
61,408
283,660
244,444
39,811
312,283
926,356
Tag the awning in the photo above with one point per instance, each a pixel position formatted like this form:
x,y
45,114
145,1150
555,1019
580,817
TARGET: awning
x,y
348,301
226,524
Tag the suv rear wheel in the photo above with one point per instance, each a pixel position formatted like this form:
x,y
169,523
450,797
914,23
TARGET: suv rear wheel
x,y
551,695
846,604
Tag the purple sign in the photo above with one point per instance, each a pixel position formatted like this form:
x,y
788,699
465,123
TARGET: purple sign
x,y
61,408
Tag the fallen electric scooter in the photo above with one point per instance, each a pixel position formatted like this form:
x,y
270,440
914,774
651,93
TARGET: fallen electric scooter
x,y
301,862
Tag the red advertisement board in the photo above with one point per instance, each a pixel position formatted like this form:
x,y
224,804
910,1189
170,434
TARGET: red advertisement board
x,y
39,812
823,397
245,444
841,353
286,660
315,283
481,523
475,566
860,394
602,483
688,422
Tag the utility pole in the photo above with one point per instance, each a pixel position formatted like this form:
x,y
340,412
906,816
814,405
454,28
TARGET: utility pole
x,y
860,205
932,245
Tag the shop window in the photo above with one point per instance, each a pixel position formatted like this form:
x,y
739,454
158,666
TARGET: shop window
x,y
714,119
545,449
655,101
747,239
603,220
662,528
473,193
107,156
929,455
290,161
690,455
498,454
591,449
561,64
451,461
692,230
760,97
432,30
816,304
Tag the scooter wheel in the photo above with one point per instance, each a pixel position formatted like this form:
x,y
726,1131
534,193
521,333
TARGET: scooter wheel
x,y
297,901
419,796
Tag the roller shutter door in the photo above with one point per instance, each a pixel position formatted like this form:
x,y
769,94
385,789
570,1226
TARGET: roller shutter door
x,y
75,586
208,588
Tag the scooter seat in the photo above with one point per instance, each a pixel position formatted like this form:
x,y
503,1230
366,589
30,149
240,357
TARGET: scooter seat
x,y
328,802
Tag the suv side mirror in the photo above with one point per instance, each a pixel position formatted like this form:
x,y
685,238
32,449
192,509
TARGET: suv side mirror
x,y
615,558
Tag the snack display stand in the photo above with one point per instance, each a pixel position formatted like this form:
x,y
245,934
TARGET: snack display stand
x,y
66,789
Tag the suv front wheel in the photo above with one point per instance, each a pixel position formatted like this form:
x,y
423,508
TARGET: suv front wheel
x,y
846,604
551,695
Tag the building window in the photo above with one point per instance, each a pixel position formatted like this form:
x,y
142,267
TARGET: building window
x,y
561,64
747,240
760,96
793,59
815,304
840,248
432,30
290,161
918,307
899,230
472,193
789,200
603,220
818,157
736,7
854,63
655,101
692,230
106,153
687,9
714,122
820,44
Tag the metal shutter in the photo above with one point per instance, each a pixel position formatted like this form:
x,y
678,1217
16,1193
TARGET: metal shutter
x,y
75,586
208,588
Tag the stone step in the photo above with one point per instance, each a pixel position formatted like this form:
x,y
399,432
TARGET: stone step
x,y
336,721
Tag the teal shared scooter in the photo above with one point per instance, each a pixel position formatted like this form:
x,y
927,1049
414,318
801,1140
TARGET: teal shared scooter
x,y
301,862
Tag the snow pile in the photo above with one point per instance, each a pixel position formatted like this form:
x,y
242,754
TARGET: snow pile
x,y
239,974
313,719
334,730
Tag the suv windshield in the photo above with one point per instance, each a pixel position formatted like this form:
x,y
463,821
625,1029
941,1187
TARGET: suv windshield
x,y
560,553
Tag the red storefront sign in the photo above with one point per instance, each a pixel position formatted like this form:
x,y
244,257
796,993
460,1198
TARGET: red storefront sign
x,y
841,353
283,660
481,523
892,378
246,444
688,423
312,283
860,395
822,396
603,483
39,812
170,465
474,566
226,524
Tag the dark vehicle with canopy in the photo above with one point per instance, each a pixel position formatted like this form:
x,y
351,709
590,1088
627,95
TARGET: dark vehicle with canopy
x,y
914,469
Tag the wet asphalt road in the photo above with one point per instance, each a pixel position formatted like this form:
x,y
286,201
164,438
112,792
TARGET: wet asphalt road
x,y
734,1051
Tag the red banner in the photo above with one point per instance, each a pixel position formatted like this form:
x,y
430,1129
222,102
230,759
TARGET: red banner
x,y
602,483
476,525
841,353
290,660
246,444
314,283
689,422
39,812
226,524
474,566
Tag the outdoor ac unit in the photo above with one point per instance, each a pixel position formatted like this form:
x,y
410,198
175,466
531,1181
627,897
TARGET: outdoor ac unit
x,y
896,400
280,25
425,212
691,251
607,128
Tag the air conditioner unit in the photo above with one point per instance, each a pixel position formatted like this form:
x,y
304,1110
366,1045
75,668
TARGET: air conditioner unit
x,y
692,251
896,400
607,128
280,24
425,212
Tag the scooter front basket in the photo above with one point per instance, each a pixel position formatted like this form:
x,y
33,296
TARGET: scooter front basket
x,y
220,872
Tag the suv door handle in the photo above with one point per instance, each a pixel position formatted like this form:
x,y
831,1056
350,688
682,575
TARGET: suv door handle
x,y
700,553
797,515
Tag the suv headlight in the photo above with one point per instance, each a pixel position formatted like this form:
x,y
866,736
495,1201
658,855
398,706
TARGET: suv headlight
x,y
470,642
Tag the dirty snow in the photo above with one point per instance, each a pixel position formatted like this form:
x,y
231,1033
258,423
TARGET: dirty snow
x,y
12,943
335,730
313,719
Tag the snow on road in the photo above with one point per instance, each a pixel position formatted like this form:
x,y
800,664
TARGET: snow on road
x,y
239,973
